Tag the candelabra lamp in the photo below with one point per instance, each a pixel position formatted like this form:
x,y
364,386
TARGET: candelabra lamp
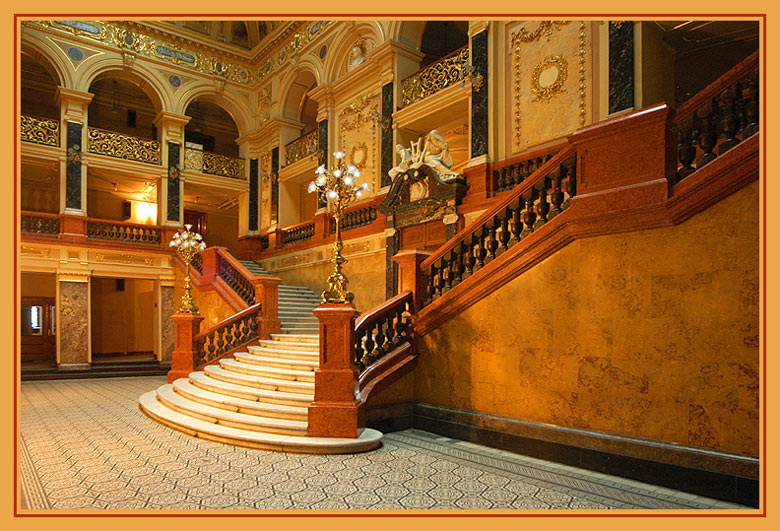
x,y
337,186
188,244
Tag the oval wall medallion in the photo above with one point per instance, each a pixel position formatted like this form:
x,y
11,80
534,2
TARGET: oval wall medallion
x,y
549,76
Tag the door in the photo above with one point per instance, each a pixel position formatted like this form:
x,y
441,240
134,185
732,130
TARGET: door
x,y
38,329
197,220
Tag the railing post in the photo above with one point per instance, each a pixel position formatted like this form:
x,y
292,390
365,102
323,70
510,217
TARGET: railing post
x,y
336,412
210,264
321,226
185,351
73,227
267,294
410,277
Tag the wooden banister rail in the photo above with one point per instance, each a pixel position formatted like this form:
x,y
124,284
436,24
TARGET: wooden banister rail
x,y
526,187
39,223
235,275
227,336
382,329
121,231
511,172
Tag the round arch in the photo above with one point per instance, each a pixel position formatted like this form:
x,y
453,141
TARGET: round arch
x,y
139,76
294,89
369,31
234,106
408,32
50,61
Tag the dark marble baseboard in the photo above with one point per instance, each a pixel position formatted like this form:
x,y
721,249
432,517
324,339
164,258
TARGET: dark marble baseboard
x,y
721,475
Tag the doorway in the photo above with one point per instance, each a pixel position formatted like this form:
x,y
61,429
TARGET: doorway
x,y
38,330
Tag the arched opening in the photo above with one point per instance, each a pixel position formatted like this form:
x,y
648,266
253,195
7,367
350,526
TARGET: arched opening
x,y
298,106
38,89
121,106
211,128
442,37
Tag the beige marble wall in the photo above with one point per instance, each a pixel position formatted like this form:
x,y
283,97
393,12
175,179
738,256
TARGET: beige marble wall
x,y
366,276
73,326
650,334
168,308
210,304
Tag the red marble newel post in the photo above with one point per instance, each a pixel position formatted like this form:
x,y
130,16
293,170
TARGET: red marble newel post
x,y
210,264
336,412
185,351
267,294
410,277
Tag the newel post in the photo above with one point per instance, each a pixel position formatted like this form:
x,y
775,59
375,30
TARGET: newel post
x,y
410,276
185,351
210,264
267,294
336,412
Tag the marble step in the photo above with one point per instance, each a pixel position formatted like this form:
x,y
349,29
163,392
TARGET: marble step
x,y
297,338
284,355
202,380
233,419
186,388
288,346
230,375
367,440
277,363
289,375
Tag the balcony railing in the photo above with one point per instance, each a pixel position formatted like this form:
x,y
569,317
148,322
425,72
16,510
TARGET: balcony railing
x,y
301,147
40,131
40,223
213,164
434,77
116,231
122,146
298,233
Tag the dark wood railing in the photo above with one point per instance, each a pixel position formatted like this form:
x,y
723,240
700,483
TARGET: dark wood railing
x,y
542,196
298,233
383,329
197,263
718,118
512,172
123,232
226,337
40,223
236,279
355,218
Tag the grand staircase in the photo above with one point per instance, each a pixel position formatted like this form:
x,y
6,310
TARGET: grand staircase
x,y
258,398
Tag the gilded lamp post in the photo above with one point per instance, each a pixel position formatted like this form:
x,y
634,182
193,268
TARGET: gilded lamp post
x,y
188,244
339,189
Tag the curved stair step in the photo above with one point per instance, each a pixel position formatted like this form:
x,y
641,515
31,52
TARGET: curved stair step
x,y
367,440
288,346
261,382
277,363
181,404
186,388
204,381
297,338
289,376
273,352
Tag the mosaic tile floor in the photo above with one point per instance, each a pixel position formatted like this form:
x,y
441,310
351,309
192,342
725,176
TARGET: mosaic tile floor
x,y
85,445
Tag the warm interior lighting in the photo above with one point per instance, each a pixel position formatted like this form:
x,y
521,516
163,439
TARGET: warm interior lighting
x,y
142,212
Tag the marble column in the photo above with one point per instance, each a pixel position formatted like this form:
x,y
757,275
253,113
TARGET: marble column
x,y
387,134
479,94
253,209
392,244
167,327
322,141
73,335
170,203
275,185
621,65
74,106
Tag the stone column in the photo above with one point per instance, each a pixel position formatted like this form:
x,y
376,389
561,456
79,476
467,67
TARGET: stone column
x,y
335,411
477,170
73,333
387,149
324,153
267,294
167,327
74,106
184,354
170,192
392,244
410,277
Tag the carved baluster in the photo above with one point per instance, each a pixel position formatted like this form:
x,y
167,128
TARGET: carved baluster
x,y
478,248
750,105
516,223
498,177
514,176
457,264
431,290
367,346
446,274
438,280
399,327
491,243
212,348
542,207
468,256
556,197
708,136
380,341
529,216
728,103
571,181
503,236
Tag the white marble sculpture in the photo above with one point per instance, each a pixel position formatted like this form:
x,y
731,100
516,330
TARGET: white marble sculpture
x,y
358,55
434,154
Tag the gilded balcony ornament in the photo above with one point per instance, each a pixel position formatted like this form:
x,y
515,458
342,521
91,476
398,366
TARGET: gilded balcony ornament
x,y
434,77
40,131
214,164
123,146
301,147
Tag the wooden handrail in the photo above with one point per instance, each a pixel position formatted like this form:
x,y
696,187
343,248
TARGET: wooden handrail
x,y
716,87
123,223
550,148
233,261
526,185
383,308
298,225
230,320
39,214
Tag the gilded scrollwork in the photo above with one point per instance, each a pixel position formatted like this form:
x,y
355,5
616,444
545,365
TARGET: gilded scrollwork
x,y
123,146
434,77
40,131
214,164
547,88
546,28
301,147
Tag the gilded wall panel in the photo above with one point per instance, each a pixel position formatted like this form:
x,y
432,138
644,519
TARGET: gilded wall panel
x,y
359,138
655,337
549,70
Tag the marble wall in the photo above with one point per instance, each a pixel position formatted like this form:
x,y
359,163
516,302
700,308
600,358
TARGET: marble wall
x,y
210,304
168,330
73,326
650,334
